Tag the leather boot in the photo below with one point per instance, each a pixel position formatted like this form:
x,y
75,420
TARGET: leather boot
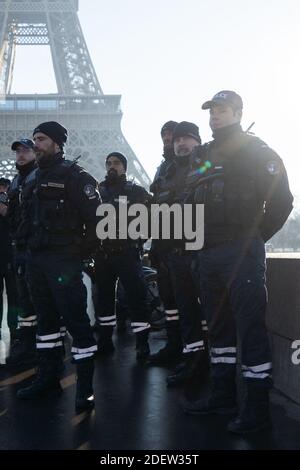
x,y
142,346
84,388
255,413
195,367
23,348
104,340
171,353
221,401
46,381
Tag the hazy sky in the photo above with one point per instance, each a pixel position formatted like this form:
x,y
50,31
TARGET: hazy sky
x,y
166,57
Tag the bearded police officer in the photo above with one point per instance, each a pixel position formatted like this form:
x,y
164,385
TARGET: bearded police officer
x,y
180,261
244,187
121,259
171,352
59,224
23,350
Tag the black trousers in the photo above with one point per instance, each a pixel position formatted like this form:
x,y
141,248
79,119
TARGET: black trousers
x,y
232,278
27,316
7,276
58,292
191,315
125,265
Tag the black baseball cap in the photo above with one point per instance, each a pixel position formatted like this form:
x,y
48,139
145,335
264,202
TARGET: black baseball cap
x,y
227,97
25,142
4,181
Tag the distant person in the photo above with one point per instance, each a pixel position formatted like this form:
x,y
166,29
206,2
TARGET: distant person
x,y
7,277
23,350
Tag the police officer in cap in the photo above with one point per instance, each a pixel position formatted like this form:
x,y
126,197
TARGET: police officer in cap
x,y
244,187
23,350
59,224
121,259
171,352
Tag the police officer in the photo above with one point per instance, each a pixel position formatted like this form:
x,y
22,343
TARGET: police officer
x,y
59,223
121,259
171,352
244,186
180,262
6,265
23,349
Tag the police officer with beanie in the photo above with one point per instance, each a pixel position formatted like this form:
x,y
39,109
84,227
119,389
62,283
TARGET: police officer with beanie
x,y
23,350
121,259
59,224
180,261
171,352
244,187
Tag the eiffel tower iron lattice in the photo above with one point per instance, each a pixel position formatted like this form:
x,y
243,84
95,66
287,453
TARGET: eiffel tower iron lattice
x,y
92,118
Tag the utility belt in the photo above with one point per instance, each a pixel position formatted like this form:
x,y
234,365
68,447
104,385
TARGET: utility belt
x,y
164,196
213,240
109,247
53,241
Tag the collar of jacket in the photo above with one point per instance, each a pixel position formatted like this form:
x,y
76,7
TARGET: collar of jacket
x,y
119,181
49,161
24,170
223,133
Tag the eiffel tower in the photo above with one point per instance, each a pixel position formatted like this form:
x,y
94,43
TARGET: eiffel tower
x,y
92,118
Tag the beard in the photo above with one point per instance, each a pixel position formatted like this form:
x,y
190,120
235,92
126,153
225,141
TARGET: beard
x,y
112,176
182,151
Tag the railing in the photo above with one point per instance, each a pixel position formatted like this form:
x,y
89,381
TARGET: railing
x,y
56,103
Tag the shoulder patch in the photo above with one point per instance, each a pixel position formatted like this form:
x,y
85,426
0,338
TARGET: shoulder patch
x,y
273,167
89,190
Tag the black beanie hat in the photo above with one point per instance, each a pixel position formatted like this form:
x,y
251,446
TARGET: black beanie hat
x,y
54,130
187,128
168,126
120,156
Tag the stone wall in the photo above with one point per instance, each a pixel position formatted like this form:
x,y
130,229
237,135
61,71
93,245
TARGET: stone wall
x,y
283,320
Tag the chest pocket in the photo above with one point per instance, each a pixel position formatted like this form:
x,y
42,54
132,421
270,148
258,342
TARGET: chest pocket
x,y
52,214
214,196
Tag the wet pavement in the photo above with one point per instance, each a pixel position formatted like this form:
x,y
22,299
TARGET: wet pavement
x,y
134,411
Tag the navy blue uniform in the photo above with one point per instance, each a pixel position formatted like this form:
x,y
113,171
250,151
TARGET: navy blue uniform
x,y
7,273
121,259
159,259
244,188
59,225
181,262
27,316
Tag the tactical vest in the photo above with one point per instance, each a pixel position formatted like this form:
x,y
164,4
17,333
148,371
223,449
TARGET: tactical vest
x,y
53,221
113,197
158,180
172,187
110,197
15,194
227,186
